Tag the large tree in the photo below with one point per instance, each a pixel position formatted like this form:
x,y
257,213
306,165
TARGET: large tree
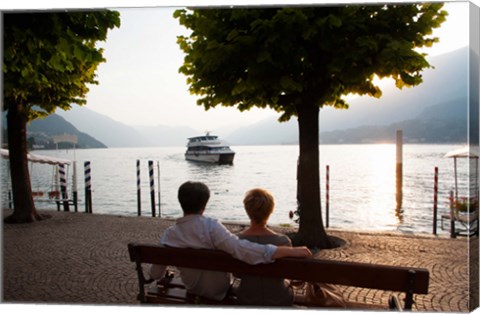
x,y
49,59
296,60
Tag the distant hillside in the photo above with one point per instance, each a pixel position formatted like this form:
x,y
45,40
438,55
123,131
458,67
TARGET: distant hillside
x,y
107,130
433,105
447,81
266,132
40,133
443,123
414,131
451,109
166,135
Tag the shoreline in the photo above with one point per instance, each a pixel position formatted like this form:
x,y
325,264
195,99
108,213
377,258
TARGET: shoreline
x,y
78,258
289,227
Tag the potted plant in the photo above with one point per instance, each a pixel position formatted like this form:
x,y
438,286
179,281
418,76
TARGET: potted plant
x,y
465,208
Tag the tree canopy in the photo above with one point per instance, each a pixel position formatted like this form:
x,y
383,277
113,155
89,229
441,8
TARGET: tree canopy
x,y
48,61
49,58
275,57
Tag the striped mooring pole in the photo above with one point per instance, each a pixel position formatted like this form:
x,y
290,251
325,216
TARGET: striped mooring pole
x,y
139,194
88,188
327,196
57,187
74,187
63,187
152,186
435,200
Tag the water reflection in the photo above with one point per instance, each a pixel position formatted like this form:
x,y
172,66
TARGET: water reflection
x,y
202,171
382,169
363,185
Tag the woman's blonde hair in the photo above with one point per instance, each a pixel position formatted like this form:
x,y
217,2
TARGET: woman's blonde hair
x,y
259,205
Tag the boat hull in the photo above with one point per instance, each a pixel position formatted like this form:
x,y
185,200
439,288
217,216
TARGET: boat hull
x,y
226,158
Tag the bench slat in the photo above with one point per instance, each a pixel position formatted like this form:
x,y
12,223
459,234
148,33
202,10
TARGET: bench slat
x,y
372,276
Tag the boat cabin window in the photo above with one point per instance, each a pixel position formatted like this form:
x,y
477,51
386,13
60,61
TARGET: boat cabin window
x,y
207,148
203,138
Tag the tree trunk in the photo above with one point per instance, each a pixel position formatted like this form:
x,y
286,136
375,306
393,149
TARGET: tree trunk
x,y
311,230
23,205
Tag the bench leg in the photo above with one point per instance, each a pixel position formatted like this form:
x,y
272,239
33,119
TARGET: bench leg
x,y
394,303
409,292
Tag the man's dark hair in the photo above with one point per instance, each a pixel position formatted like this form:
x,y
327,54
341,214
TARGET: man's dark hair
x,y
193,197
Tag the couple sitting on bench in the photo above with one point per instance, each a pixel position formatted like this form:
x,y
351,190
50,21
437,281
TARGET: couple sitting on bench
x,y
196,231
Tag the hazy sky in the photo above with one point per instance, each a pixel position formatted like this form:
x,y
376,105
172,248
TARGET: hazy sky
x,y
140,83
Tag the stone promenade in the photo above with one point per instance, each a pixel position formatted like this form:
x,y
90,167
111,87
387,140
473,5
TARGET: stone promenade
x,y
76,258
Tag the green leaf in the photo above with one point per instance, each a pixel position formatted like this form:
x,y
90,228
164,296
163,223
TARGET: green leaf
x,y
25,73
56,63
263,56
232,35
239,88
78,53
334,21
287,83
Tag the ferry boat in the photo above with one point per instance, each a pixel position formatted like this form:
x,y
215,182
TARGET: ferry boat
x,y
209,148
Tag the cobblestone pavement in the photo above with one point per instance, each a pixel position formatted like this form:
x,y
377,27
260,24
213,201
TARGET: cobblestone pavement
x,y
76,258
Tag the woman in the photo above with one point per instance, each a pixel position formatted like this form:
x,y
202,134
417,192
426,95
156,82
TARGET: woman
x,y
259,205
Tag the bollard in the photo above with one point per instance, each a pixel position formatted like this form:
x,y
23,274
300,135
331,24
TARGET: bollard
x,y
327,195
139,196
9,191
63,187
10,199
452,217
435,198
159,207
297,211
152,186
88,188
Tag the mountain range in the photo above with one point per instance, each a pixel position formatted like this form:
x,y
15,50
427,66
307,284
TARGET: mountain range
x,y
416,110
41,132
433,112
446,81
436,124
117,134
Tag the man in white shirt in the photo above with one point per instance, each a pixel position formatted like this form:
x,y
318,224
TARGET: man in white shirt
x,y
196,231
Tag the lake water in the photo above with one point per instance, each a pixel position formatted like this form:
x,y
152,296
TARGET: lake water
x,y
362,182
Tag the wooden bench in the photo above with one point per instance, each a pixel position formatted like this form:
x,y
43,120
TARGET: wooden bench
x,y
408,280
